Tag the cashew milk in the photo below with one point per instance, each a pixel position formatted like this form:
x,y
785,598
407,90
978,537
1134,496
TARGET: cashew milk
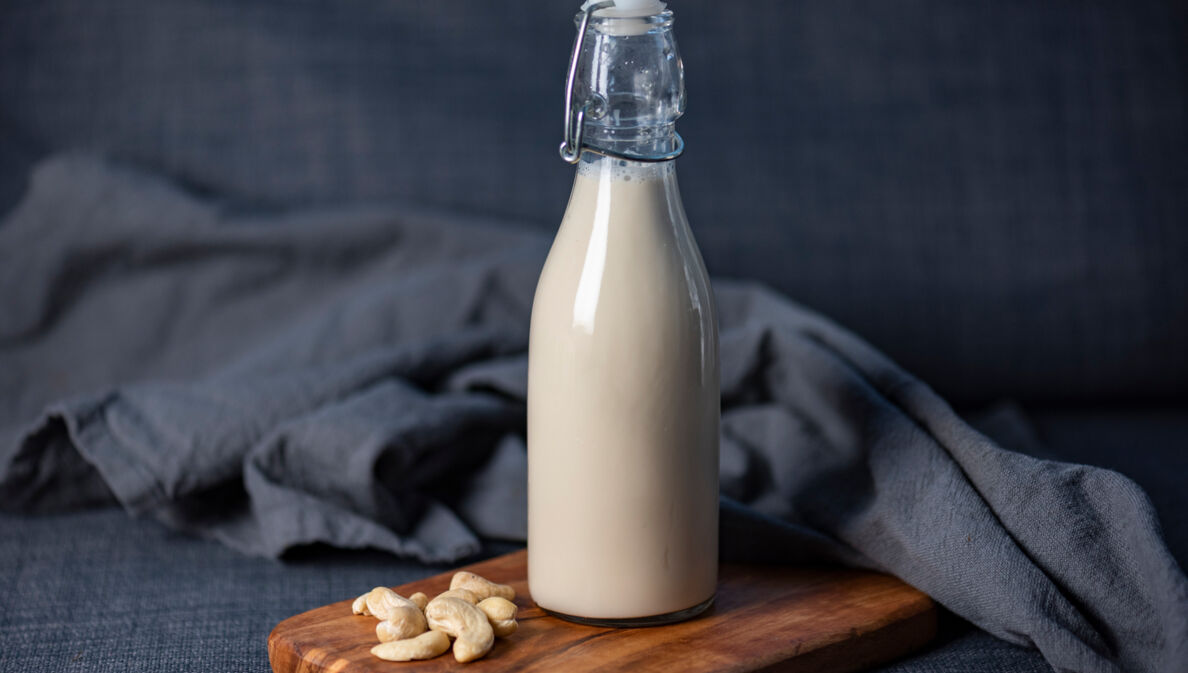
x,y
623,405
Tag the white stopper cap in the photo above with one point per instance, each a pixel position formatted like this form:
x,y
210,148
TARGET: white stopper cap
x,y
628,8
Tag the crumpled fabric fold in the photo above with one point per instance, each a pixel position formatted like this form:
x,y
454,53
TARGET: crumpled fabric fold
x,y
355,377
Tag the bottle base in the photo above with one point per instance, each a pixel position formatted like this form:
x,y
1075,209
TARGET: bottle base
x,y
637,622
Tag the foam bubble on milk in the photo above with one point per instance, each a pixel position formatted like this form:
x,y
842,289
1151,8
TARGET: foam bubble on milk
x,y
624,170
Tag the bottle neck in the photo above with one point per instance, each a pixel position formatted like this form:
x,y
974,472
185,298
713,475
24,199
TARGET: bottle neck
x,y
657,143
616,191
628,85
612,169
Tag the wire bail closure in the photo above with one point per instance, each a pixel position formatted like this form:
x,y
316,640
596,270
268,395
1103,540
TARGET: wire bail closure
x,y
571,147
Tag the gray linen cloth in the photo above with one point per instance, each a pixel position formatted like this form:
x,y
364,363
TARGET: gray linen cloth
x,y
355,377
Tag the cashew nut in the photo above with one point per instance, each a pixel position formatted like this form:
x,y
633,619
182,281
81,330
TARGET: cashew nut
x,y
382,600
405,623
465,623
425,646
501,613
465,594
482,587
359,607
399,617
473,612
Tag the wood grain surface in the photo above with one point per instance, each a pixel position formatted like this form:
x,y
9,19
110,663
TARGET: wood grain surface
x,y
765,618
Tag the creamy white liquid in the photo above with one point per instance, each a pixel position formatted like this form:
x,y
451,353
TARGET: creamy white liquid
x,y
623,404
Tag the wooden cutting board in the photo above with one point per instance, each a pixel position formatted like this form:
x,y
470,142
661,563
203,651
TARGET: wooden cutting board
x,y
765,618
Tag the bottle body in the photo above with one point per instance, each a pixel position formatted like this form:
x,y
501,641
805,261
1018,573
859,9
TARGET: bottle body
x,y
623,405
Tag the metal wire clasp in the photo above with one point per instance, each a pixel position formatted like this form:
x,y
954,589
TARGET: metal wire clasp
x,y
571,147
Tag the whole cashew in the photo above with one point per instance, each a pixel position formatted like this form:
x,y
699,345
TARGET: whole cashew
x,y
399,617
425,646
501,613
382,600
482,587
466,623
402,623
465,594
359,607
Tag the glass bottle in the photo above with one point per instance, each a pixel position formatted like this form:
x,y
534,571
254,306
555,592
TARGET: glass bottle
x,y
623,397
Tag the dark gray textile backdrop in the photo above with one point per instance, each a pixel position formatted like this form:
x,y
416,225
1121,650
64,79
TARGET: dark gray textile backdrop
x,y
992,192
290,310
